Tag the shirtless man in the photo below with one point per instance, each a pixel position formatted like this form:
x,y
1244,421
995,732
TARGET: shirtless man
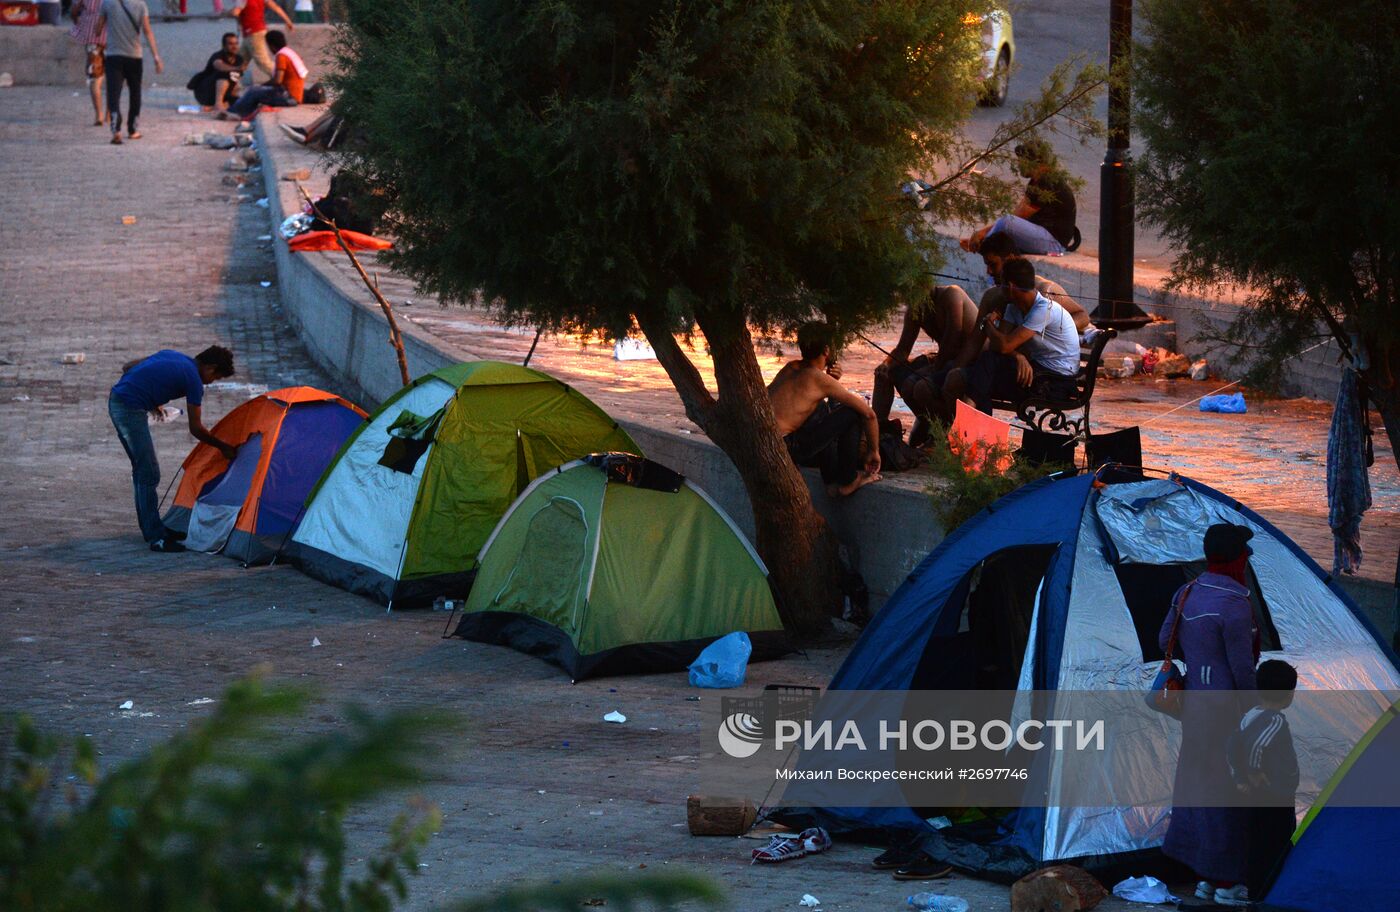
x,y
821,421
949,318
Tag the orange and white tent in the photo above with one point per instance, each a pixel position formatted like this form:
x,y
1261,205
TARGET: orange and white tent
x,y
245,508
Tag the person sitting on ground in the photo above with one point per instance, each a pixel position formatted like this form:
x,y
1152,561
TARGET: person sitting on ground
x,y
948,317
1043,222
216,86
1032,348
821,421
283,91
147,384
1264,764
995,251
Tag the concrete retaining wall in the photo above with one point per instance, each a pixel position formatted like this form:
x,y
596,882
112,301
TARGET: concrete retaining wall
x,y
886,528
41,55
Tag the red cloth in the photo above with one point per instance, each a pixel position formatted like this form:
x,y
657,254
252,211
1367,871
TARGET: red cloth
x,y
325,240
1233,569
253,16
976,435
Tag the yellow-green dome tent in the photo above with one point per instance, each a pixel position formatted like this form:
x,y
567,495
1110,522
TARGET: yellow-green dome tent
x,y
616,565
410,499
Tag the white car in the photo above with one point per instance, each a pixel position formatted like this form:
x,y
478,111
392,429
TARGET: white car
x,y
998,54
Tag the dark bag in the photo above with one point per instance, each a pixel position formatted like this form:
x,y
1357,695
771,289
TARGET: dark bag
x,y
314,94
1168,688
351,204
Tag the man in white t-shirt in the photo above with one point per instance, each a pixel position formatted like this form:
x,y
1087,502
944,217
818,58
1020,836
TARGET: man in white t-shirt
x,y
1032,348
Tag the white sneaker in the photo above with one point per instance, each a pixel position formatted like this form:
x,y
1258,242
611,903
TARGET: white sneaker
x,y
1238,895
1204,890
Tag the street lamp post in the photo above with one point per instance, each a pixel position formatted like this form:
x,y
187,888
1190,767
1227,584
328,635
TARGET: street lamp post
x,y
1116,308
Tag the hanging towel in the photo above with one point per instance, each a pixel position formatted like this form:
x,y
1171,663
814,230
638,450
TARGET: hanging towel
x,y
1348,487
294,60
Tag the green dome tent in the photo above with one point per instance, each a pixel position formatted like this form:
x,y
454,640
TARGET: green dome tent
x,y
615,565
408,502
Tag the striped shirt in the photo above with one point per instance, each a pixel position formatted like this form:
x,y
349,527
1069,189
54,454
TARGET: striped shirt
x,y
86,29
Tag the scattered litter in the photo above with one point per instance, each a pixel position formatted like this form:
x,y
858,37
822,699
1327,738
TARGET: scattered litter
x,y
938,902
188,109
236,163
540,791
615,716
26,639
315,641
74,357
127,705
692,699
128,220
809,901
1122,369
293,225
264,237
202,701
939,823
263,202
722,663
300,174
1172,365
594,901
595,813
1200,370
265,284
1226,404
1143,890
6,80
251,389
219,141
164,414
20,398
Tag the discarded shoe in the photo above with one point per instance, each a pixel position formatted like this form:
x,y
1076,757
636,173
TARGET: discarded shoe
x,y
1238,895
783,847
1205,890
167,546
900,855
924,868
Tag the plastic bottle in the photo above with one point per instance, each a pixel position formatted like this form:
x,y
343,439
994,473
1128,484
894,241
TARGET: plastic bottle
x,y
938,902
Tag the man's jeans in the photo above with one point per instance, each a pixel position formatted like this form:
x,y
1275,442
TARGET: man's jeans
x,y
1030,239
135,434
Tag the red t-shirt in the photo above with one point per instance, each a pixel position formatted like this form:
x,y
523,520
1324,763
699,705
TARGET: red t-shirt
x,y
253,17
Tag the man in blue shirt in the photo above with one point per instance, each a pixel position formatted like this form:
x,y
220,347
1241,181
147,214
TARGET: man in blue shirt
x,y
145,386
1032,347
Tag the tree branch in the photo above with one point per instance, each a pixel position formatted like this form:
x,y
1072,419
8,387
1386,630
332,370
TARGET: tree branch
x,y
695,396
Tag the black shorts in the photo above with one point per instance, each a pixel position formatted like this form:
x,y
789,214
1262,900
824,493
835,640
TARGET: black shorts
x,y
993,377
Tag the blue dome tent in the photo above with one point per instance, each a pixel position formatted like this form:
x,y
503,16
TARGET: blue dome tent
x,y
1062,586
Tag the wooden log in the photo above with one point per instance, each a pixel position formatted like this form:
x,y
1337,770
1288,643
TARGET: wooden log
x,y
715,816
1058,888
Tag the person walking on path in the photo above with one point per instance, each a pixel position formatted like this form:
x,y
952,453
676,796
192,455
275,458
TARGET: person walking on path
x,y
145,385
1211,622
89,31
252,20
124,21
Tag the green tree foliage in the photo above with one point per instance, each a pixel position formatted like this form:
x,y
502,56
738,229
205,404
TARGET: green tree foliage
x,y
1271,126
723,166
231,816
971,476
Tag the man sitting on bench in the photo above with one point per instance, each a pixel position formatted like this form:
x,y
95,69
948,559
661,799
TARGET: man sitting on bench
x,y
1032,348
995,251
947,316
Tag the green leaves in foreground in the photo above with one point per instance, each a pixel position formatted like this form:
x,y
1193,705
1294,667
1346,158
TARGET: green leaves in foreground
x,y
969,481
612,892
233,815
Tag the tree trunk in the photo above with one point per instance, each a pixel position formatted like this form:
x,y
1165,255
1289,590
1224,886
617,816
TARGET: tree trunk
x,y
1383,381
793,539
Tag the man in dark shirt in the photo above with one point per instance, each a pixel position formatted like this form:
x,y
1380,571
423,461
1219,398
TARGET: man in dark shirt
x,y
145,386
216,85
1043,222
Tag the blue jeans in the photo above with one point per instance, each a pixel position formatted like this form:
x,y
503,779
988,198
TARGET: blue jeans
x,y
135,434
272,96
1029,237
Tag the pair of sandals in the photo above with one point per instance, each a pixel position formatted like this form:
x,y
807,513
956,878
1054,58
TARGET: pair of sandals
x,y
117,137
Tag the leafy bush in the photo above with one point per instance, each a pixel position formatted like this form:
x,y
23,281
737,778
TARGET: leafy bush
x,y
232,816
970,479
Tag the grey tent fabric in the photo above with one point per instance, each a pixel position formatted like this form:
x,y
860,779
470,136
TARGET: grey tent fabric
x,y
216,511
1348,487
1157,521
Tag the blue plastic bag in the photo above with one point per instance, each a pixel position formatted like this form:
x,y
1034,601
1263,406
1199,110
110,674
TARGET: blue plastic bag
x,y
722,663
1233,404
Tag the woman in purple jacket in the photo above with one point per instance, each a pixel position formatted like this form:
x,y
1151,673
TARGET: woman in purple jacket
x,y
1217,638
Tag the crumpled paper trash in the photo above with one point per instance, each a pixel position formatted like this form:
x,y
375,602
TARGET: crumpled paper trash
x,y
293,225
1143,890
615,716
809,901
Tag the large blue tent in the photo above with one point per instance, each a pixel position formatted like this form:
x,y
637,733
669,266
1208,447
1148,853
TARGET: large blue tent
x,y
1062,586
